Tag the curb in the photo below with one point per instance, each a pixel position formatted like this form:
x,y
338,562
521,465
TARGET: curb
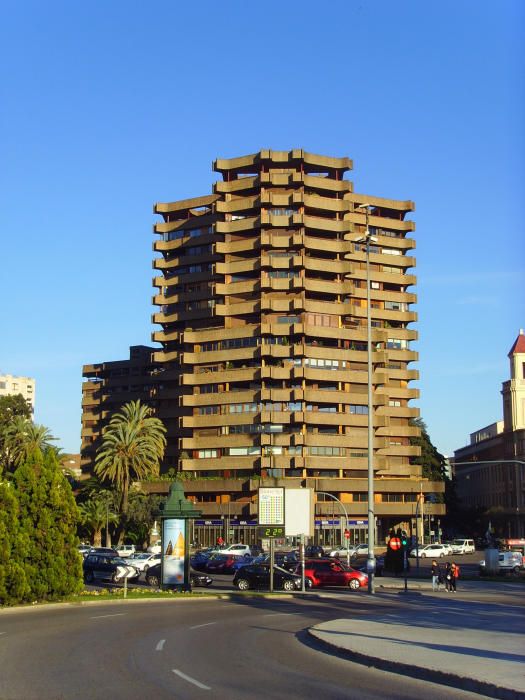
x,y
413,671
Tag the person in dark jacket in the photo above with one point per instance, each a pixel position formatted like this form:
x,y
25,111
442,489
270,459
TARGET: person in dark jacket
x,y
436,575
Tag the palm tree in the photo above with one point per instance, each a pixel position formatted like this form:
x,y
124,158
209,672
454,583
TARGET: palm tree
x,y
23,437
132,446
96,515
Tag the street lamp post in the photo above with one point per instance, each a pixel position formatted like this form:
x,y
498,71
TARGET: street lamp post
x,y
330,495
371,562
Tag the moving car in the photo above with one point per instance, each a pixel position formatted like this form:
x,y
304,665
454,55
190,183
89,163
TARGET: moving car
x,y
102,566
462,546
432,551
326,572
196,577
257,576
507,562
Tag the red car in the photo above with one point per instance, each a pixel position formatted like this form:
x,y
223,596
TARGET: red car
x,y
327,572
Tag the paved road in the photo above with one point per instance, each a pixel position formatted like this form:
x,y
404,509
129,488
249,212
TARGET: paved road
x,y
185,649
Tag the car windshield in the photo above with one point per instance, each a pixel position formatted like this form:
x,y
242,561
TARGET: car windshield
x,y
460,542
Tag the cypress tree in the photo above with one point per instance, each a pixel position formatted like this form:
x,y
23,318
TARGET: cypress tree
x,y
13,583
48,518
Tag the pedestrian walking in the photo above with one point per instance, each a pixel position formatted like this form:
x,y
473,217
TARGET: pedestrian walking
x,y
451,576
436,575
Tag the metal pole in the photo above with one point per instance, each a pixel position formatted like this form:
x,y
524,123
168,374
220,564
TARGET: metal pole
x,y
371,562
272,559
330,495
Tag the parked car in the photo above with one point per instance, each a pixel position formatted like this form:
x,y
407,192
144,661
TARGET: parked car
x,y
433,551
237,550
341,551
142,561
239,562
197,578
200,559
508,562
313,550
155,548
326,572
360,550
84,549
108,551
380,565
102,566
257,576
125,550
220,564
462,546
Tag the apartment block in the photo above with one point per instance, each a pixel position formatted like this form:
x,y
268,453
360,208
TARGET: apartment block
x,y
262,315
11,386
109,385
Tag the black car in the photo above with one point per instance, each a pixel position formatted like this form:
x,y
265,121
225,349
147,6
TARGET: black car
x,y
313,550
107,551
257,576
197,578
105,566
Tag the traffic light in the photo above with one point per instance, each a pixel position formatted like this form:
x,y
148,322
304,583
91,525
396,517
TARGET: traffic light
x,y
404,538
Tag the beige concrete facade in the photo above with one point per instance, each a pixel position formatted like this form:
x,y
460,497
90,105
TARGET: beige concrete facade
x,y
261,291
11,386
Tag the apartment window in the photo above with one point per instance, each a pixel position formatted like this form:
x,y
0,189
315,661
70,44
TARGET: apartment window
x,y
281,212
207,454
360,497
394,402
397,344
392,498
391,251
357,409
288,319
395,305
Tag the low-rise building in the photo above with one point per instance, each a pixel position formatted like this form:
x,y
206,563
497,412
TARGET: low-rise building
x,y
490,470
11,386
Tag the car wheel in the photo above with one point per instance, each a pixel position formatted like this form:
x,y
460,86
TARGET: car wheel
x,y
422,556
89,577
243,584
152,580
288,585
441,555
308,583
516,569
353,584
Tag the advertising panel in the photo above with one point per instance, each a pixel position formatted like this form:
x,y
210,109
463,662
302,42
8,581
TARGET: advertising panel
x,y
173,548
271,506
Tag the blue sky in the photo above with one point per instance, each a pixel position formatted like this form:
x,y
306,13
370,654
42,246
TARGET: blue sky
x,y
107,107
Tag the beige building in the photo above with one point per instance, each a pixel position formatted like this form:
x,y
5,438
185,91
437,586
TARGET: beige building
x,y
11,386
262,313
499,486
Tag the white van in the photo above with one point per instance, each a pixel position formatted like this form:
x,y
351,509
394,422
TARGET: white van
x,y
463,546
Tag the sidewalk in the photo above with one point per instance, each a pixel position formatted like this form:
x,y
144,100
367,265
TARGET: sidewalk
x,y
470,645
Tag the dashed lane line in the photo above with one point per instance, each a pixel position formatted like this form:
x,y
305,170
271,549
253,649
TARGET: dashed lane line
x,y
191,680
160,645
205,624
97,617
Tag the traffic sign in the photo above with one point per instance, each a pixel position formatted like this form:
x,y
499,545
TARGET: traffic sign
x,y
347,534
395,543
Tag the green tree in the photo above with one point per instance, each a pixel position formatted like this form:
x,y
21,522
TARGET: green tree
x,y
132,447
142,507
13,548
432,461
22,437
48,518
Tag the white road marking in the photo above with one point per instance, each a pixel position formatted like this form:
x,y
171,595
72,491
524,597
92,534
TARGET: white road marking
x,y
160,645
3,632
206,624
96,617
191,680
273,614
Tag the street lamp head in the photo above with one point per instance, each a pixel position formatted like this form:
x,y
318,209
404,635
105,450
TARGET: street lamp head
x,y
365,205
